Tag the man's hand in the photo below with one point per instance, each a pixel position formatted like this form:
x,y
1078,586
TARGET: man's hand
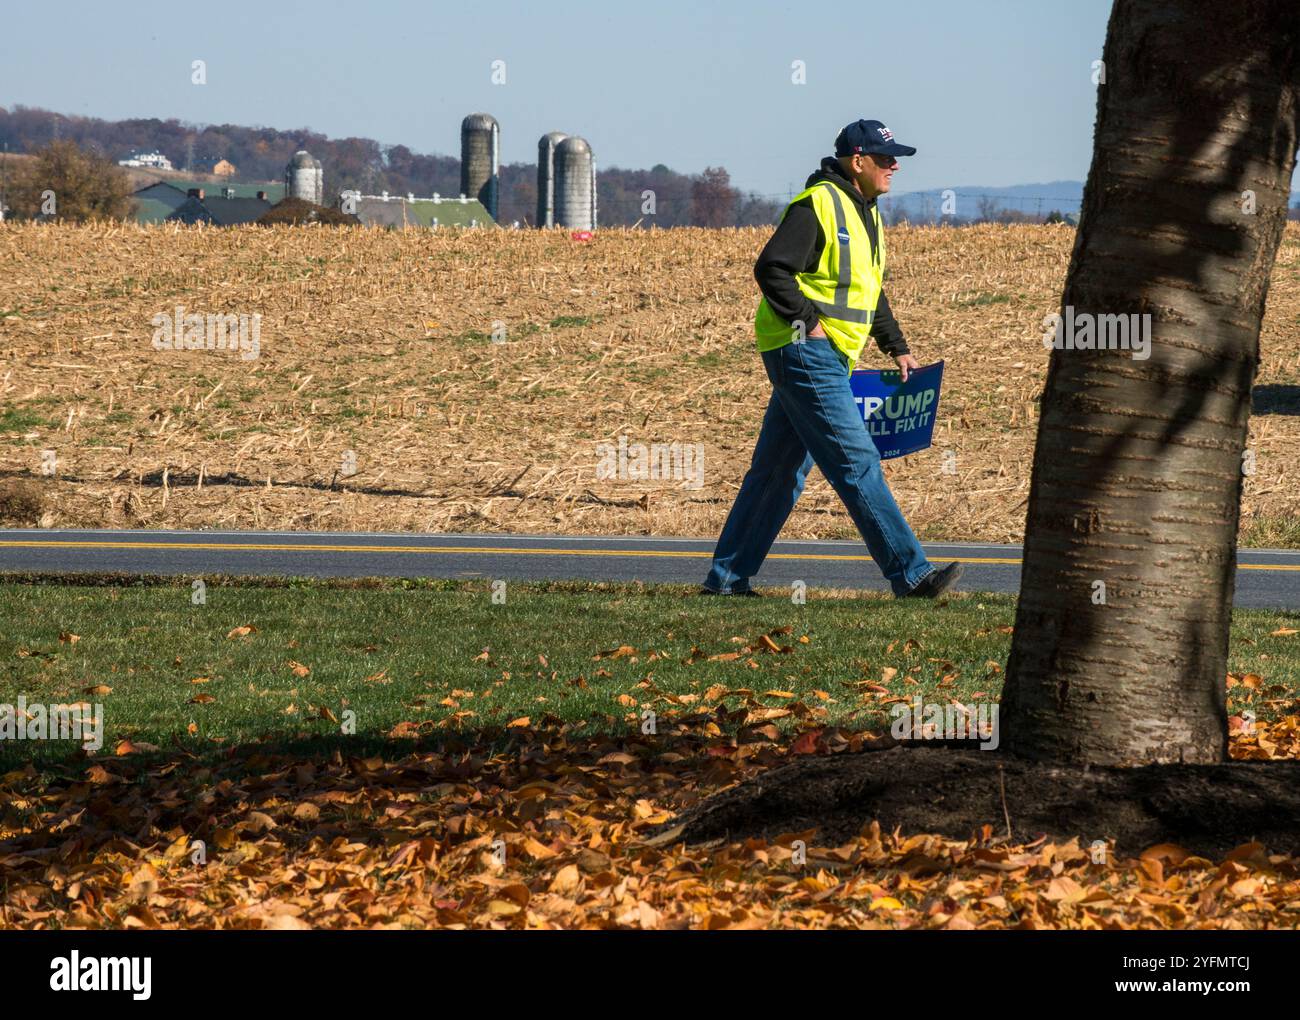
x,y
907,364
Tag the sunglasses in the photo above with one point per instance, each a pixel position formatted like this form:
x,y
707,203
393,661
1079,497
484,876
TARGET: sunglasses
x,y
883,161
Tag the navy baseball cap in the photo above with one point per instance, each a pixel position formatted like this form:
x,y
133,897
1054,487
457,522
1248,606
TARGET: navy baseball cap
x,y
868,137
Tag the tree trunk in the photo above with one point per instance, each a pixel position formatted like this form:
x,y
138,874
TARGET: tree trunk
x,y
1121,638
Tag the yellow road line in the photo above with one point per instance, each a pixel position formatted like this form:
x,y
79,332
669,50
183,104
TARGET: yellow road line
x,y
440,549
492,550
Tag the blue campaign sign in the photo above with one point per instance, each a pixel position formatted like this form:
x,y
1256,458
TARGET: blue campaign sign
x,y
900,416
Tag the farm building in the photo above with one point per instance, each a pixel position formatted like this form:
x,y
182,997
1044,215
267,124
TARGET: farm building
x,y
224,209
153,160
216,166
157,201
408,211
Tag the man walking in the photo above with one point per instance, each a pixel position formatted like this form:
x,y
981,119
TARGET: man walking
x,y
821,275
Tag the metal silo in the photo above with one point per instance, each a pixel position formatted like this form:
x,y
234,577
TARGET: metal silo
x,y
546,177
479,144
575,184
304,178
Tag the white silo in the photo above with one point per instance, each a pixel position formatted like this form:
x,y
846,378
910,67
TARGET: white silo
x,y
480,141
304,178
575,184
546,177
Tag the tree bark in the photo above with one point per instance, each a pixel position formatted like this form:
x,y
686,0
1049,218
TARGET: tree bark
x,y
1137,472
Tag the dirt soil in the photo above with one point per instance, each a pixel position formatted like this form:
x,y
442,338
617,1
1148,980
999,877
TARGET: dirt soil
x,y
1206,809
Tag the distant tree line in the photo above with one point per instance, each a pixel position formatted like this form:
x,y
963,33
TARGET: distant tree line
x,y
260,154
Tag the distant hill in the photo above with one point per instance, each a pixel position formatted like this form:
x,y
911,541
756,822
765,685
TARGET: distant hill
x,y
983,202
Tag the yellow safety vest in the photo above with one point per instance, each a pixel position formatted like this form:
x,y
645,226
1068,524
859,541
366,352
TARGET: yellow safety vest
x,y
845,286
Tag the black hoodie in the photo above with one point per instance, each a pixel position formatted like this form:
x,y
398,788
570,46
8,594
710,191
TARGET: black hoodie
x,y
796,247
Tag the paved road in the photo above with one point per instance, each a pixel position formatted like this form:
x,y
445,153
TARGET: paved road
x,y
1265,578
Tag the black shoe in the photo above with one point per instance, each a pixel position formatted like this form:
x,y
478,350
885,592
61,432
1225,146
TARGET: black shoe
x,y
747,593
933,585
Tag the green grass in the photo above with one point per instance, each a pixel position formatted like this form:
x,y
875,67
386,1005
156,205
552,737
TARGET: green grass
x,y
18,419
1271,533
148,642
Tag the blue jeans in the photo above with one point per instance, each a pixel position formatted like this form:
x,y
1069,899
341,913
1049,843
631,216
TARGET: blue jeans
x,y
812,418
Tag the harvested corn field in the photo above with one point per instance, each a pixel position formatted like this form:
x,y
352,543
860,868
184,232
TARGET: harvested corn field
x,y
466,381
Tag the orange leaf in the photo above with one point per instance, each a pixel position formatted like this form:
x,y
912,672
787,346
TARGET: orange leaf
x,y
566,880
125,747
806,742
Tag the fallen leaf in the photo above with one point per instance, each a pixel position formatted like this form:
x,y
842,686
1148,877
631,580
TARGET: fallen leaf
x,y
125,747
806,743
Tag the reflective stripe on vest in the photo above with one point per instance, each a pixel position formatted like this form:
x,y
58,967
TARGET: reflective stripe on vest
x,y
844,279
844,287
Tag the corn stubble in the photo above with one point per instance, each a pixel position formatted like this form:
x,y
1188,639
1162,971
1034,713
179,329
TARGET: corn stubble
x,y
381,343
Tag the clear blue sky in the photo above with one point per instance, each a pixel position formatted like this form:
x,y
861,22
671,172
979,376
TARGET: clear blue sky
x,y
991,93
